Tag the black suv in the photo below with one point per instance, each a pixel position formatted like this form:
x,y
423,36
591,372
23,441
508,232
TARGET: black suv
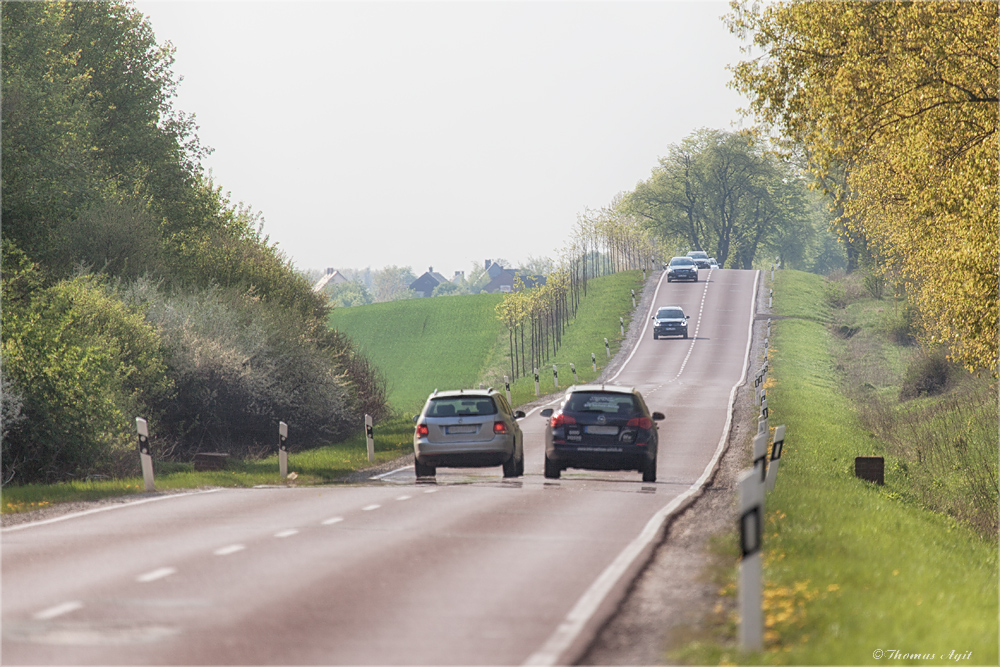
x,y
670,321
682,268
601,427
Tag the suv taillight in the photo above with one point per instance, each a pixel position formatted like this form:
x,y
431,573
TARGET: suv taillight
x,y
641,422
422,430
559,419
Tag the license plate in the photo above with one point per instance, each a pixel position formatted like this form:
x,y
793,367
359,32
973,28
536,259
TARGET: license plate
x,y
461,430
602,430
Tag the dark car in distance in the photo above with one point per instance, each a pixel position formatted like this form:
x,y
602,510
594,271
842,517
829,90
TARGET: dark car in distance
x,y
670,321
682,268
601,427
700,258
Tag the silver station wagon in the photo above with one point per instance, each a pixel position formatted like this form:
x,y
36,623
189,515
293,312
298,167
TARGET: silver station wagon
x,y
470,428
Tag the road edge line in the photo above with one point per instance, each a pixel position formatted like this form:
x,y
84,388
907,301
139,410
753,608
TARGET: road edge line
x,y
74,515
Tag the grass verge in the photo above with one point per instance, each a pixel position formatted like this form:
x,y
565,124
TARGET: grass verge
x,y
854,573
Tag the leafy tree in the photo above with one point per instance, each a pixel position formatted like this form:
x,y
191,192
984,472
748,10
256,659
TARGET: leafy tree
x,y
724,193
446,288
349,293
901,98
392,283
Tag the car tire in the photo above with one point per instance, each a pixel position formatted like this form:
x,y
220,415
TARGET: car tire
x,y
696,278
649,471
423,470
685,335
669,280
656,336
552,470
510,466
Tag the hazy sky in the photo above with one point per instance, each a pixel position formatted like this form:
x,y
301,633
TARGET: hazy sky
x,y
440,134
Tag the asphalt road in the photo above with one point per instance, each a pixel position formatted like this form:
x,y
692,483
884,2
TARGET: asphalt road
x,y
470,569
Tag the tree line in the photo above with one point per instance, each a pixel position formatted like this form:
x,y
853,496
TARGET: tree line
x,y
132,285
894,107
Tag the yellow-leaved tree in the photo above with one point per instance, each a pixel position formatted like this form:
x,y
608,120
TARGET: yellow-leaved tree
x,y
896,106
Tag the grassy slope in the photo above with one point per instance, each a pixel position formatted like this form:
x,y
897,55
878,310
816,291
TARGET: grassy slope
x,y
452,342
415,342
850,568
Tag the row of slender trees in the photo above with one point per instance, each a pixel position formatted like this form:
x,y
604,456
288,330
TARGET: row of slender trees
x,y
604,242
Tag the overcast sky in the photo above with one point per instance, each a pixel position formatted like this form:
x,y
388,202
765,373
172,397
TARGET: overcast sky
x,y
441,134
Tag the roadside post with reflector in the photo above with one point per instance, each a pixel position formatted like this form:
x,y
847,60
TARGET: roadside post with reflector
x,y
751,534
506,386
282,449
142,428
621,323
536,383
776,447
607,348
555,376
633,292
573,369
593,360
370,437
760,456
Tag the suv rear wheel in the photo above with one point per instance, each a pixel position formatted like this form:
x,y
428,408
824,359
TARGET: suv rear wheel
x,y
423,470
552,470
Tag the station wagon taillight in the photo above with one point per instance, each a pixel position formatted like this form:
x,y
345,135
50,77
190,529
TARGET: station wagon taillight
x,y
499,428
422,430
641,422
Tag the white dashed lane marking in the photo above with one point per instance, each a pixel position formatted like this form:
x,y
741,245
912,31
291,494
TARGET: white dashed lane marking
x,y
58,610
155,574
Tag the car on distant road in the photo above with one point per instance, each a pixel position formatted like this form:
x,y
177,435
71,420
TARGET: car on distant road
x,y
470,428
712,264
601,427
700,258
682,268
670,321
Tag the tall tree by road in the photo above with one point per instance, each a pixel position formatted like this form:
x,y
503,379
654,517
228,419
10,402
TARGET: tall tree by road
x,y
902,99
724,193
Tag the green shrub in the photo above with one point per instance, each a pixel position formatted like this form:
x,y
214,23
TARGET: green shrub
x,y
927,374
85,365
241,365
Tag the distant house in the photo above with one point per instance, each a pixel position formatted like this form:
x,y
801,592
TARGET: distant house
x,y
330,277
425,284
502,279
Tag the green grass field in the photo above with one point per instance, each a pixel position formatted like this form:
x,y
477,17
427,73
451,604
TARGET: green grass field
x,y
423,344
458,342
852,571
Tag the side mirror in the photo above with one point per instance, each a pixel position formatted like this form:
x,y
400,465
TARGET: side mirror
x,y
415,418
687,317
658,416
547,412
518,414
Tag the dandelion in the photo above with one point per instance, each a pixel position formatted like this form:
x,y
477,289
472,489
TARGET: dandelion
x,y
833,588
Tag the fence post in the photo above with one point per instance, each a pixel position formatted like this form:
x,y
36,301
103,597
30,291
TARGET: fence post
x,y
751,536
776,447
145,458
282,450
370,437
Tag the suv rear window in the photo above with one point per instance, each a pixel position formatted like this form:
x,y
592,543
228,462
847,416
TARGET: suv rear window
x,y
453,406
670,313
596,401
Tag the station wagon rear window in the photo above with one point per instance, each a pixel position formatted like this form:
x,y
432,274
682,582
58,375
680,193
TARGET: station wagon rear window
x,y
461,406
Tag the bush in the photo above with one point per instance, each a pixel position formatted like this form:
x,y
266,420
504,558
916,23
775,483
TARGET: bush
x,y
927,374
241,365
85,366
